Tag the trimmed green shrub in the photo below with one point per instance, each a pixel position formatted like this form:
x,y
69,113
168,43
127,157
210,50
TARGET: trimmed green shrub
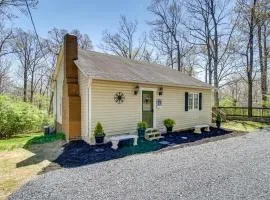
x,y
142,125
20,117
99,132
169,123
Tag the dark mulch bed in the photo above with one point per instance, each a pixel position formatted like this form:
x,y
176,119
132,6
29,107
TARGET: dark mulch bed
x,y
78,153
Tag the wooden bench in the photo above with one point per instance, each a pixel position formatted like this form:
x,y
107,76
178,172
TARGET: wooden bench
x,y
152,134
115,139
199,127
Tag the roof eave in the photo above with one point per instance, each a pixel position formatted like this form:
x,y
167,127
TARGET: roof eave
x,y
58,63
153,83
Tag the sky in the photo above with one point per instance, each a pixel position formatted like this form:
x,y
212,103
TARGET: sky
x,y
88,16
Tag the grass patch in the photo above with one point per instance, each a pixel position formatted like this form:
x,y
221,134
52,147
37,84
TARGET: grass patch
x,y
247,126
21,165
26,140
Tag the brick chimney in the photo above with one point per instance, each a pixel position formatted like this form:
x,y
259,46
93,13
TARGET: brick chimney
x,y
71,96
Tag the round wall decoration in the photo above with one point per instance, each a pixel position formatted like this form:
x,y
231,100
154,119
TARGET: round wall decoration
x,y
119,97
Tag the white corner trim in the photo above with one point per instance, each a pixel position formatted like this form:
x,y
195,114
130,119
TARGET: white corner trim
x,y
89,102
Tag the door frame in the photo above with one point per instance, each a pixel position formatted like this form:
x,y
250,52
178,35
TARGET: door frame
x,y
154,90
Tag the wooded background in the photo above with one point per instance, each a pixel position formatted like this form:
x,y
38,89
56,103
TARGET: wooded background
x,y
223,42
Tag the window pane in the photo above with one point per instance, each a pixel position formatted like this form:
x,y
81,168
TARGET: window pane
x,y
190,101
147,102
196,101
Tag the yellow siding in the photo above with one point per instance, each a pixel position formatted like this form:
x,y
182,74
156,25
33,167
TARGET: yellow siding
x,y
115,118
173,100
122,118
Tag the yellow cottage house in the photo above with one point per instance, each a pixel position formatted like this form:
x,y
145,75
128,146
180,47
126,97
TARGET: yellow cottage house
x,y
91,87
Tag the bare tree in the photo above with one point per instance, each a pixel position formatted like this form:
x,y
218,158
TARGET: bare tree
x,y
247,26
31,58
262,19
7,5
56,38
168,19
212,26
200,30
5,37
125,42
251,24
164,44
4,75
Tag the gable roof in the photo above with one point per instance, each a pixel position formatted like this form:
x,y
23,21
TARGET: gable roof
x,y
108,67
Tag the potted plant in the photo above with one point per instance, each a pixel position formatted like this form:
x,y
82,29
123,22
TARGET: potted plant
x,y
99,133
141,127
218,121
169,124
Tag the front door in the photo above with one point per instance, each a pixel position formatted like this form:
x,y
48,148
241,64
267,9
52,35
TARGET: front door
x,y
147,107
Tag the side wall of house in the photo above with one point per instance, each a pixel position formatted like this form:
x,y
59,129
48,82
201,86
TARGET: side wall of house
x,y
173,106
122,118
115,118
58,97
85,92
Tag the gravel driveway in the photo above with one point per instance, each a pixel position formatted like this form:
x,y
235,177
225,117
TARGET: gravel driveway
x,y
235,168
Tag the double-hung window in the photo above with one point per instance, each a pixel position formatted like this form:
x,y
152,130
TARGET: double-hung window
x,y
190,101
196,100
193,101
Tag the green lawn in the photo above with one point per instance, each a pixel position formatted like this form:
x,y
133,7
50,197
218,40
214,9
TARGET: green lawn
x,y
26,140
247,126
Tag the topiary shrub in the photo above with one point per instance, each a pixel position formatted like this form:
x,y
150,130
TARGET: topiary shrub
x,y
142,125
169,124
99,132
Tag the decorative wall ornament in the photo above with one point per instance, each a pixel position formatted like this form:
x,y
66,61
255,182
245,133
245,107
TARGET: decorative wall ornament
x,y
119,97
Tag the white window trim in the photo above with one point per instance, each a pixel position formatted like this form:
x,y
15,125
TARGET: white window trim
x,y
154,90
193,101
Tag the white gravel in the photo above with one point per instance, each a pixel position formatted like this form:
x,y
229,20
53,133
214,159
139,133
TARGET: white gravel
x,y
235,168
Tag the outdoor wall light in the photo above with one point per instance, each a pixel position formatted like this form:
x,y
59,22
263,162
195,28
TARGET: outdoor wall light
x,y
160,91
136,90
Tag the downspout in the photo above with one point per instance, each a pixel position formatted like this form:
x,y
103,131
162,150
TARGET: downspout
x,y
56,106
89,105
88,131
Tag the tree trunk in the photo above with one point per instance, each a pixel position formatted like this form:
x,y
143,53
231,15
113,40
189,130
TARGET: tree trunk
x,y
215,56
178,56
206,74
216,67
261,63
209,60
171,58
32,87
25,83
250,66
264,69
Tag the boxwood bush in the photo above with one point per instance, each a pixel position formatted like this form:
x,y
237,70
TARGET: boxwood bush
x,y
19,117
